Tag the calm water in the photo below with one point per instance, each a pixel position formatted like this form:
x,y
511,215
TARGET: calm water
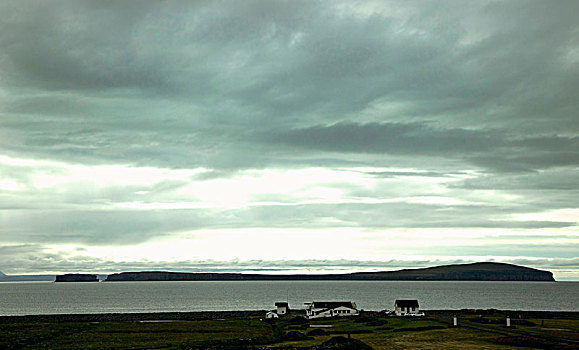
x,y
112,297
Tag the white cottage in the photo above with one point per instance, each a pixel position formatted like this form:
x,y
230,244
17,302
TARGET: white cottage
x,y
282,308
271,314
406,307
317,309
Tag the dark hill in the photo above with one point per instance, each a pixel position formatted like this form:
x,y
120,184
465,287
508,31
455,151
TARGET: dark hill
x,y
486,271
72,277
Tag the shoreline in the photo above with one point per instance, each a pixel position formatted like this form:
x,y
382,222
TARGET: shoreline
x,y
133,317
218,315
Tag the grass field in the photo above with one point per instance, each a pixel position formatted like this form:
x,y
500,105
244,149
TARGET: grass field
x,y
374,330
128,335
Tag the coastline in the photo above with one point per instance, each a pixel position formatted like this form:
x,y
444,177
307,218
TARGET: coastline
x,y
251,330
132,317
218,315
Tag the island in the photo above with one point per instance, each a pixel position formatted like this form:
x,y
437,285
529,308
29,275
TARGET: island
x,y
483,271
26,278
76,277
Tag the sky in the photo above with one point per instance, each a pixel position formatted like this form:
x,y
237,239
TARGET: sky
x,y
288,136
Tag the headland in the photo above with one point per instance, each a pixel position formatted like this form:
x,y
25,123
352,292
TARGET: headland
x,y
485,271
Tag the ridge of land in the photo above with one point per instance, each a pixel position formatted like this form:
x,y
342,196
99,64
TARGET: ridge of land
x,y
484,271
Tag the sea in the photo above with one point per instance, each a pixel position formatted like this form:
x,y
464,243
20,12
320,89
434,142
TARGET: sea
x,y
35,298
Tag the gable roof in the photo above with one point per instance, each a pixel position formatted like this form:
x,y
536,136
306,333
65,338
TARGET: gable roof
x,y
282,304
332,304
406,303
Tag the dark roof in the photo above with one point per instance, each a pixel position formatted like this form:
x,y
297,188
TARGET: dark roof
x,y
407,303
332,304
282,303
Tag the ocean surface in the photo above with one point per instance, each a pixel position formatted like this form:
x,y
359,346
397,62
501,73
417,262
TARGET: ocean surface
x,y
32,298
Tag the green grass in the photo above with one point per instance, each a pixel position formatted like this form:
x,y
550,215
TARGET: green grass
x,y
377,331
128,335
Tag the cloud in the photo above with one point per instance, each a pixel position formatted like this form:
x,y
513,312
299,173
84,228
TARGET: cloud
x,y
38,262
76,45
561,179
122,123
123,205
391,138
495,150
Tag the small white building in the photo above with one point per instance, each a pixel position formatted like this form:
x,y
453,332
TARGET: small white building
x,y
317,309
406,307
271,314
282,308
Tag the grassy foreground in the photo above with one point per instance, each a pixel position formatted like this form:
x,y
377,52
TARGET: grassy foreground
x,y
370,330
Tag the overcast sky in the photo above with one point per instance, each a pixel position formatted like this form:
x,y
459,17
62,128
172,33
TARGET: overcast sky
x,y
288,136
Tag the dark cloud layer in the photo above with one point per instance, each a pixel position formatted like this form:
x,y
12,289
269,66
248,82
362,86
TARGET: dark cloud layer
x,y
412,139
495,150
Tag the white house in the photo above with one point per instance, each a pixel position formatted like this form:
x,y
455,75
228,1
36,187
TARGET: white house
x,y
317,309
271,314
282,308
406,307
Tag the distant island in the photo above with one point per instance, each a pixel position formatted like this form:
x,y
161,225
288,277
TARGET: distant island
x,y
76,277
26,278
485,271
